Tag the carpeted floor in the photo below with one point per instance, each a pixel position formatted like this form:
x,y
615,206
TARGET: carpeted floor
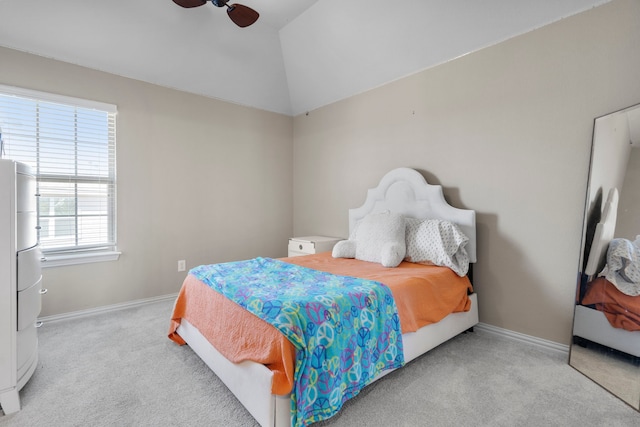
x,y
120,369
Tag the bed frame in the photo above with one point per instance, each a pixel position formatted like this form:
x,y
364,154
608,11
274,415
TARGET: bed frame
x,y
591,324
402,190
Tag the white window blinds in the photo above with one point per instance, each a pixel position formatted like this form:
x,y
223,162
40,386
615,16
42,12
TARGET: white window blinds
x,y
70,145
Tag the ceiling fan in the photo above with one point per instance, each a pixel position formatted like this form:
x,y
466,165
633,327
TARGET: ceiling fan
x,y
241,15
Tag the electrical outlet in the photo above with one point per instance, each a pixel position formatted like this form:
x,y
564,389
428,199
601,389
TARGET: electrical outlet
x,y
182,265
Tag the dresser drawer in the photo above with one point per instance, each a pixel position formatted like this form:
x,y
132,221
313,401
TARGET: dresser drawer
x,y
311,245
29,270
29,305
26,196
27,343
302,246
26,231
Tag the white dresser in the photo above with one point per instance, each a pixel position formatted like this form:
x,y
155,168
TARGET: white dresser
x,y
20,281
307,245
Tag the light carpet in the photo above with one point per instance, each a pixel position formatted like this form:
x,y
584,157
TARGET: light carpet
x,y
120,369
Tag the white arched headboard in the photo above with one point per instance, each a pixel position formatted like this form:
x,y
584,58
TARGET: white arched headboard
x,y
405,191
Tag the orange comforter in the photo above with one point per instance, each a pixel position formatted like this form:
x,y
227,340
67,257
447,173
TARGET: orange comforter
x,y
622,311
423,294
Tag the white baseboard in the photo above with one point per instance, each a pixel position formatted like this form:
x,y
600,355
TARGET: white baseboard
x,y
546,344
106,308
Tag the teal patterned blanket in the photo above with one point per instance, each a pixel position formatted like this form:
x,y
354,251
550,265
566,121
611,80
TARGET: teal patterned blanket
x,y
345,330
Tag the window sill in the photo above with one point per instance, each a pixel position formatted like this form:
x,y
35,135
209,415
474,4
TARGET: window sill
x,y
73,259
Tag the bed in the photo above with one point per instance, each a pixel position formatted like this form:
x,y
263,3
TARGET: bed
x,y
604,314
262,387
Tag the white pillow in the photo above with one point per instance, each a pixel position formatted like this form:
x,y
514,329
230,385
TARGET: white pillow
x,y
379,237
437,242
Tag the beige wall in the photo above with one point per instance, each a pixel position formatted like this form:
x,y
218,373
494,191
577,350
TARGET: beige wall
x,y
628,225
610,155
198,179
507,132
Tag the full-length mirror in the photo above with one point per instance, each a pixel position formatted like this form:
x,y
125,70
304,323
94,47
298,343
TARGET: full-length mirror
x,y
606,326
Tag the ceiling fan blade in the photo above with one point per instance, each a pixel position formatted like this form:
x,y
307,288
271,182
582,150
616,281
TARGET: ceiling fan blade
x,y
241,15
190,3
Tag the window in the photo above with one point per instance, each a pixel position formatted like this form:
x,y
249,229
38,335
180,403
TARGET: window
x,y
70,145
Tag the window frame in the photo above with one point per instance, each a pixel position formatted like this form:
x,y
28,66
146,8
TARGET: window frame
x,y
102,252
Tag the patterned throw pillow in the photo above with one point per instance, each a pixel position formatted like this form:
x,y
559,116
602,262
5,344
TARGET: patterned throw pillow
x,y
437,242
623,266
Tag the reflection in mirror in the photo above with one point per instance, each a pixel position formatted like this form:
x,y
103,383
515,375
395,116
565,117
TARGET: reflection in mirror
x,y
606,325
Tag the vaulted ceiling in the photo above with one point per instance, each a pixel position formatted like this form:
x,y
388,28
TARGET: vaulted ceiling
x,y
300,55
